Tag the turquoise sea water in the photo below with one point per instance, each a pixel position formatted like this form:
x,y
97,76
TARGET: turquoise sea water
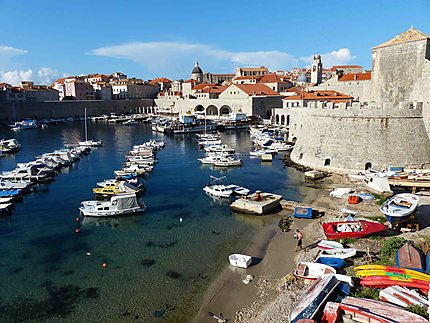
x,y
157,266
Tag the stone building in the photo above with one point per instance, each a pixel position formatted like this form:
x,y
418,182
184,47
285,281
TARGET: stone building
x,y
316,70
75,87
251,71
386,127
197,73
133,88
218,78
38,93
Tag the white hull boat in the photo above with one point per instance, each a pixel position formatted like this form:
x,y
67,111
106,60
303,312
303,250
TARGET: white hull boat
x,y
118,205
313,270
218,191
341,192
89,143
343,253
399,208
227,162
378,184
327,244
239,260
402,296
219,149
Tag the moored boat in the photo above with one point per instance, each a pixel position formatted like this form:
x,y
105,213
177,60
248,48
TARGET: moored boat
x,y
386,281
342,253
312,270
399,208
352,229
331,261
410,257
390,269
239,260
326,244
118,205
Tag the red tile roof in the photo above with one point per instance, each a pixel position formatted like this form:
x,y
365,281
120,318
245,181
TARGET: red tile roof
x,y
214,89
160,80
202,86
238,78
255,89
356,76
272,78
322,95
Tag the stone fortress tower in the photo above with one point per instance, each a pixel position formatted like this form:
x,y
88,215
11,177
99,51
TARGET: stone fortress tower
x,y
316,70
197,73
389,130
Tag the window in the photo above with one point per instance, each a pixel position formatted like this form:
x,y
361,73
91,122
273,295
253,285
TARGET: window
x,y
300,156
368,166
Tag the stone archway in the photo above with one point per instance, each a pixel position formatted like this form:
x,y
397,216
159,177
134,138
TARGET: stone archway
x,y
282,120
294,140
212,110
277,119
199,108
225,110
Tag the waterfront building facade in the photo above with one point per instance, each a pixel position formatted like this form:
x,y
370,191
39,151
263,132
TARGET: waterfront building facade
x,y
123,89
77,89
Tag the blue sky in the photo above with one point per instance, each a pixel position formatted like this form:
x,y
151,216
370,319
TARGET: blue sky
x,y
42,40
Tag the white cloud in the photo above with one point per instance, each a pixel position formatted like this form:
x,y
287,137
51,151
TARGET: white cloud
x,y
7,51
177,58
342,56
45,75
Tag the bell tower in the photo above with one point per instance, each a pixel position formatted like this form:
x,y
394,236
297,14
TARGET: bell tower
x,y
316,70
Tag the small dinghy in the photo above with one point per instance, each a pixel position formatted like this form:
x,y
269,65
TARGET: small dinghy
x,y
400,207
402,296
332,261
326,245
312,270
410,257
342,253
352,229
239,260
341,192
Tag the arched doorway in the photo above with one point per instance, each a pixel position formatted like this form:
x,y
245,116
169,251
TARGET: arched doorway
x,y
225,110
212,110
288,120
294,140
199,108
368,166
282,119
327,162
277,119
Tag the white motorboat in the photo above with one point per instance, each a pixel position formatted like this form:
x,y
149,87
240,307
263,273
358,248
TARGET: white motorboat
x,y
399,208
133,169
378,184
280,147
5,200
107,183
238,190
261,152
118,205
25,124
227,162
141,161
206,143
327,244
217,189
219,149
89,143
210,160
8,146
239,260
9,185
341,192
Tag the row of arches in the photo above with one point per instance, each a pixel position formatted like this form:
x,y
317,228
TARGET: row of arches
x,y
283,120
327,162
212,110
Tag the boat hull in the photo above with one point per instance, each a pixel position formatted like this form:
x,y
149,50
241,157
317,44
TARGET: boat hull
x,y
352,229
410,257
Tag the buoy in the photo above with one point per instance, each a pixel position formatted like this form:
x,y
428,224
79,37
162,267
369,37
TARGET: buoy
x,y
78,219
78,230
88,253
180,220
104,265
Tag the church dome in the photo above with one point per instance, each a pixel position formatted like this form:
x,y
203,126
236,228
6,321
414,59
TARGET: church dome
x,y
197,69
302,78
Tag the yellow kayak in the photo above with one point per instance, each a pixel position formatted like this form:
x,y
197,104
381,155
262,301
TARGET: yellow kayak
x,y
381,270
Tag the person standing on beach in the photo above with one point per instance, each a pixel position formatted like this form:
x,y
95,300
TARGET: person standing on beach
x,y
299,236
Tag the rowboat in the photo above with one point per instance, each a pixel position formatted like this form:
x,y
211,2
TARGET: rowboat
x,y
326,245
239,260
402,296
367,310
314,298
332,262
352,229
385,281
412,273
410,257
312,270
399,208
343,253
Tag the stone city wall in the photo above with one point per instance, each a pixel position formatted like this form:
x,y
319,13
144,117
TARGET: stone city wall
x,y
348,139
60,109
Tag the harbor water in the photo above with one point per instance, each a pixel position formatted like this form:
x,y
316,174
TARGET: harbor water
x,y
158,266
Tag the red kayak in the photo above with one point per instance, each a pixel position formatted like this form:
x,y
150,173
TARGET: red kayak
x,y
352,229
385,281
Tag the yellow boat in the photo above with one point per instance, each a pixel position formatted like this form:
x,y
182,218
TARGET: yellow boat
x,y
108,190
381,270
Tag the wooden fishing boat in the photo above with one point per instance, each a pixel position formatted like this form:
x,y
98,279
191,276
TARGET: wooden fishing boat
x,y
410,257
385,281
343,253
402,296
368,310
314,298
332,262
327,245
351,229
399,208
390,269
312,270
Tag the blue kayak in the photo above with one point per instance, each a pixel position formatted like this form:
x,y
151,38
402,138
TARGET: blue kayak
x,y
332,262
